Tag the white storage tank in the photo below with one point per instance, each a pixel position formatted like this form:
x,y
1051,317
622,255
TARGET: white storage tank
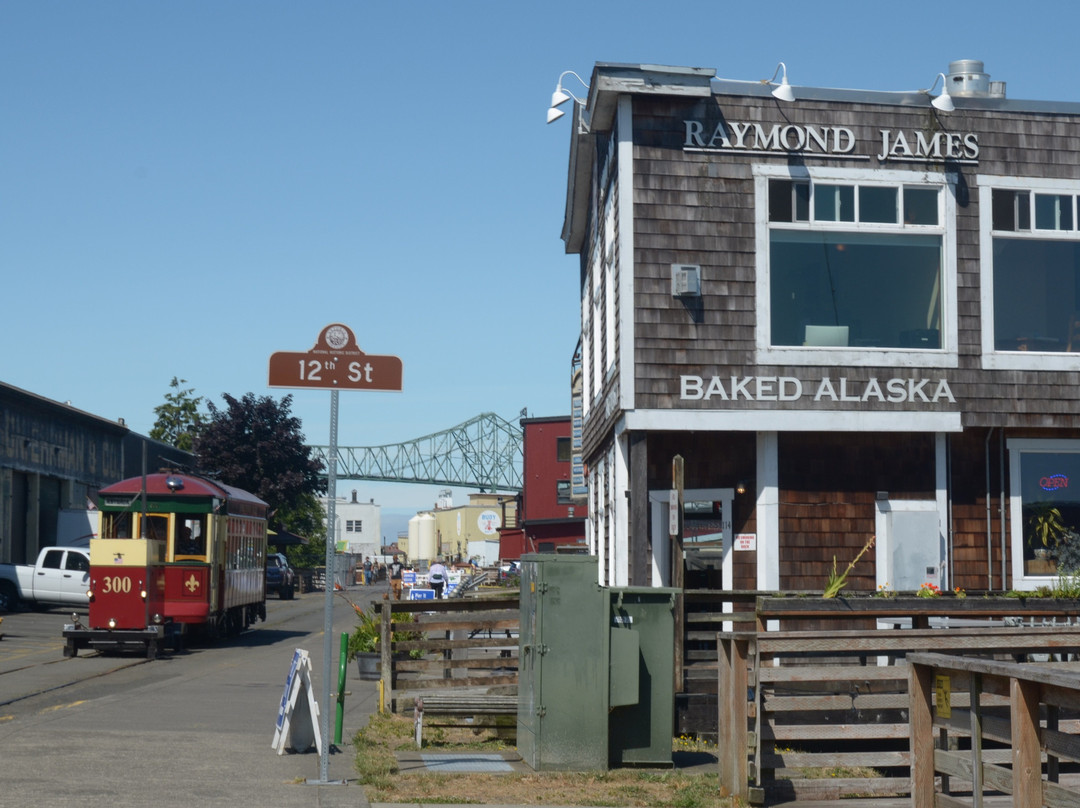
x,y
414,536
427,547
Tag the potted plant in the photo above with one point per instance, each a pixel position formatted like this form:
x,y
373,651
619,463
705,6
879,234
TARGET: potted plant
x,y
364,643
1047,529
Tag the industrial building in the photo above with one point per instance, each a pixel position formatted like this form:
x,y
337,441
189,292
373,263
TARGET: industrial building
x,y
53,459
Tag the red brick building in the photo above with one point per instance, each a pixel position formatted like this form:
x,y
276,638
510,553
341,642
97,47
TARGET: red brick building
x,y
549,515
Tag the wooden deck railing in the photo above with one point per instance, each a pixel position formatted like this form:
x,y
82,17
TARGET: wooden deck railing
x,y
797,705
468,644
950,695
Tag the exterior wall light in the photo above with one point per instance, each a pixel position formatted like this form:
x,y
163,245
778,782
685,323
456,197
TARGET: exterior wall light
x,y
783,90
561,96
944,101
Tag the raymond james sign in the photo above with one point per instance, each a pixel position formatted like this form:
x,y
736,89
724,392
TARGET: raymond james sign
x,y
788,388
839,141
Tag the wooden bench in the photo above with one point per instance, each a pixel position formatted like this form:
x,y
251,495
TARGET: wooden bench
x,y
466,705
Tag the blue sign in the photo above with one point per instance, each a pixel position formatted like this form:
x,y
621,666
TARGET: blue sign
x,y
408,577
297,655
421,594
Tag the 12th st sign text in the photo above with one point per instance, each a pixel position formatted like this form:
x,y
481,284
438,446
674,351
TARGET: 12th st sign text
x,y
335,363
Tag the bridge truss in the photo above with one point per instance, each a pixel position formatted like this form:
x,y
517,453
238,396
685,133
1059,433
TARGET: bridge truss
x,y
484,453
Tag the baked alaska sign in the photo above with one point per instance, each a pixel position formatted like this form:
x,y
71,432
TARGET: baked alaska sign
x,y
827,389
836,141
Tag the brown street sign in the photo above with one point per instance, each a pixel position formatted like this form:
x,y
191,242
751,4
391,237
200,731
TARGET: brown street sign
x,y
335,363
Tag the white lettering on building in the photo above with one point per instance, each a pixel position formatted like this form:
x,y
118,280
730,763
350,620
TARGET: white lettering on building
x,y
836,140
938,146
840,390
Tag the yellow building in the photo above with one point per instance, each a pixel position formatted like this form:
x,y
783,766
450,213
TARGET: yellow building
x,y
471,531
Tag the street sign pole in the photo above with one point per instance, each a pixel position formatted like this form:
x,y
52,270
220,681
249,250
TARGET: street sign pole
x,y
334,363
328,586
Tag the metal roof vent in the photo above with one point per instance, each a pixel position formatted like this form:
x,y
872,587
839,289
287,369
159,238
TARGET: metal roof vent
x,y
967,79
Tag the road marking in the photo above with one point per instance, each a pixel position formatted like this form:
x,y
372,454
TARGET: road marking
x,y
63,706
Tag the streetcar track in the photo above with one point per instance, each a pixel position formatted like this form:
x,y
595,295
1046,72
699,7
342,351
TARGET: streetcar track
x,y
80,680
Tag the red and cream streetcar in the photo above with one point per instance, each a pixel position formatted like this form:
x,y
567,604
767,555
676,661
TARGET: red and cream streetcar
x,y
174,552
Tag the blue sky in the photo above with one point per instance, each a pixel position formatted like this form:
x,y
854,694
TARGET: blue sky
x,y
188,187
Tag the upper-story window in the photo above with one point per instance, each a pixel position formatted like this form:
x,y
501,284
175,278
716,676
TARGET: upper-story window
x,y
854,266
563,450
1030,273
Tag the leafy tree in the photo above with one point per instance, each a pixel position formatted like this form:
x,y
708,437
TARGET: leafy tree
x,y
255,443
179,417
308,520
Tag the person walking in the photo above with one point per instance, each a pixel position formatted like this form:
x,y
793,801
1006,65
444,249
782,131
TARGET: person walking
x,y
437,577
396,568
367,571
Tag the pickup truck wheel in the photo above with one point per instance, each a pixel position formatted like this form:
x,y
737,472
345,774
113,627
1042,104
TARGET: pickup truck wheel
x,y
9,596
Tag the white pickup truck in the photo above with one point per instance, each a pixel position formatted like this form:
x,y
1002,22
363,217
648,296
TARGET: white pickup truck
x,y
61,576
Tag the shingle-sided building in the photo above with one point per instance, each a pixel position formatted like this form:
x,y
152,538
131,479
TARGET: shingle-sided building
x,y
851,314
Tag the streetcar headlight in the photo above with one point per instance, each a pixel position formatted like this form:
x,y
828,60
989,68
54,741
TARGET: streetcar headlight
x,y
157,619
90,594
142,594
112,622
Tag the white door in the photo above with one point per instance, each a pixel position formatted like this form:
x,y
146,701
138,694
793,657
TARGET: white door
x,y
706,529
75,578
910,544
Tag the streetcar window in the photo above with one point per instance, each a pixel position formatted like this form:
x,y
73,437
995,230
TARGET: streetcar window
x,y
157,526
190,538
116,526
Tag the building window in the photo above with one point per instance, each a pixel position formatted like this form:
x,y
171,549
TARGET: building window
x,y
853,264
1045,510
354,526
563,450
1030,274
562,492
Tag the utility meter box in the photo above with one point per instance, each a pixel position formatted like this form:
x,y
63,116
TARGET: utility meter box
x,y
596,669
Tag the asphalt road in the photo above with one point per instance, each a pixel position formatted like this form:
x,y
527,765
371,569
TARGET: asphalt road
x,y
189,729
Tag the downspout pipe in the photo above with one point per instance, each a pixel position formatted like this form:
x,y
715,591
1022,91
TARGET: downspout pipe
x,y
1001,502
989,523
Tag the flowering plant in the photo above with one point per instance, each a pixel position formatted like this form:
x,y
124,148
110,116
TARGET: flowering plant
x,y
960,593
928,590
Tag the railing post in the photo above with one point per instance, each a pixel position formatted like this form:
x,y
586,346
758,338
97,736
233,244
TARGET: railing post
x,y
732,718
1053,763
975,713
385,643
921,727
1026,753
724,738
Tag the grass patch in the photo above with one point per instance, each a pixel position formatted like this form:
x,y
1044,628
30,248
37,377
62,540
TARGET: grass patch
x,y
377,771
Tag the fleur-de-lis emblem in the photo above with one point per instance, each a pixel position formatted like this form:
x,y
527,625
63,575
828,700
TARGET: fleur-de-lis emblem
x,y
192,583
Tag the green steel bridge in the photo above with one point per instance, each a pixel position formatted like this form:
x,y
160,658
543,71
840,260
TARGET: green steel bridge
x,y
484,453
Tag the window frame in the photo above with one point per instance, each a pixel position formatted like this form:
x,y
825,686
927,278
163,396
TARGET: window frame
x,y
768,354
1017,447
993,359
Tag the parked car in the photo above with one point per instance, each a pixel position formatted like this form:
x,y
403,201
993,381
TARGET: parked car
x,y
280,577
61,576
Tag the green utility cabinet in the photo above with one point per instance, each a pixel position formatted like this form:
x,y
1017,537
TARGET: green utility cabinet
x,y
596,669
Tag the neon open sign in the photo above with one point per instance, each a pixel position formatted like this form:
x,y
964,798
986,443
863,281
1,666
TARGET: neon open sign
x,y
1054,482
